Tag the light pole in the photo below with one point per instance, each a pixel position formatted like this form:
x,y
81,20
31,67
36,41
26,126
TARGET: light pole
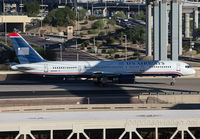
x,y
3,7
21,7
60,52
5,26
125,36
5,32
77,15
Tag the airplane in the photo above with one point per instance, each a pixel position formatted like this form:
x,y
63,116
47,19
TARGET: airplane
x,y
103,71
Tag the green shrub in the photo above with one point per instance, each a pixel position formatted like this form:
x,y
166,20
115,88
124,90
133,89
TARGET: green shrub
x,y
91,51
198,50
111,51
85,22
137,54
186,46
99,24
85,43
110,40
120,14
81,34
84,28
103,51
101,33
92,17
112,22
93,31
117,56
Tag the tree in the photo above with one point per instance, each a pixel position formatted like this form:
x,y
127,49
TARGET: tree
x,y
82,13
198,32
61,17
140,16
32,8
136,35
110,40
112,22
120,14
99,24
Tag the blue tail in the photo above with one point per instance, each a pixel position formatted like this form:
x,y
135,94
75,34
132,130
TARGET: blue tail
x,y
24,52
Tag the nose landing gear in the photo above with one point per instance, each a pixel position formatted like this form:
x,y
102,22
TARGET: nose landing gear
x,y
173,80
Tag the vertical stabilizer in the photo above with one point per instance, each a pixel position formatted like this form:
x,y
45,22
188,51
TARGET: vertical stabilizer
x,y
24,52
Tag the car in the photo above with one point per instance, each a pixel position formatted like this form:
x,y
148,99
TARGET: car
x,y
47,38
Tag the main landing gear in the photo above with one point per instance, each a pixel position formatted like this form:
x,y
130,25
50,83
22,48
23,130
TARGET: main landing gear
x,y
101,82
173,80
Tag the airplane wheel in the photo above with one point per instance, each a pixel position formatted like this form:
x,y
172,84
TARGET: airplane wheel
x,y
172,83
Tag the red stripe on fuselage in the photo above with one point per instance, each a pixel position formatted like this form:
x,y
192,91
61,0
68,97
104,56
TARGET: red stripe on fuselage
x,y
79,73
169,72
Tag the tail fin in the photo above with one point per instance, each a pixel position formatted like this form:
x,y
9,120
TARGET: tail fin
x,y
24,52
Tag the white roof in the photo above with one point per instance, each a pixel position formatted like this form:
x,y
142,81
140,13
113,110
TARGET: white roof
x,y
98,116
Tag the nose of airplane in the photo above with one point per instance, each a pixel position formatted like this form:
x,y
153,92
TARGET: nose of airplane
x,y
193,71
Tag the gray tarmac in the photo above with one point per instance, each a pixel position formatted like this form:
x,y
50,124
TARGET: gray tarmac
x,y
142,84
58,92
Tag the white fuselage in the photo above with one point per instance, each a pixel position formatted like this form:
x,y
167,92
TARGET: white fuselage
x,y
89,68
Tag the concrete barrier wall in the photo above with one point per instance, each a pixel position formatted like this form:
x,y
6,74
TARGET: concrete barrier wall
x,y
174,99
87,107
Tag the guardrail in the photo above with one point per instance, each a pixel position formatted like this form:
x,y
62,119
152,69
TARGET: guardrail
x,y
170,93
86,107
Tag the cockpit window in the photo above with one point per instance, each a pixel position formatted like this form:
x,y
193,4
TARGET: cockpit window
x,y
187,66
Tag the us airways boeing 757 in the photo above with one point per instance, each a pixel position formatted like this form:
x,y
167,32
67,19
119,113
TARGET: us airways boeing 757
x,y
121,71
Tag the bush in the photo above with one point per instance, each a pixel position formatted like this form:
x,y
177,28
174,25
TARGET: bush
x,y
84,28
117,56
112,22
186,46
85,43
111,51
98,24
92,17
120,14
91,51
140,16
198,50
101,33
103,51
81,34
110,40
85,22
137,54
93,31
115,50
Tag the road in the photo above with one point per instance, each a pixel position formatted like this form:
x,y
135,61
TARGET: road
x,y
142,84
58,92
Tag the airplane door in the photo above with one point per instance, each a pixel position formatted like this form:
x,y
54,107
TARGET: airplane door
x,y
45,67
178,68
79,68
